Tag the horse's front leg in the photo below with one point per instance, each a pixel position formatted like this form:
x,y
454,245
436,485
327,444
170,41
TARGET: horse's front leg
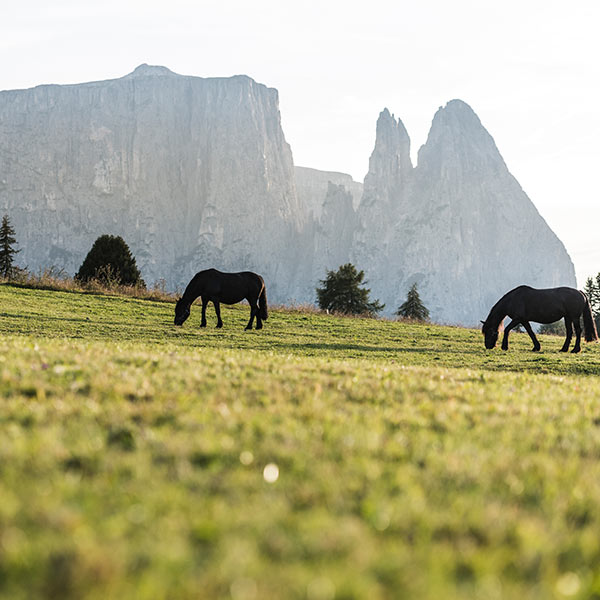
x,y
510,326
577,346
204,305
569,330
218,311
536,344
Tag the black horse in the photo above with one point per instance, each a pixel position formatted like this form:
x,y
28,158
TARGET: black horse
x,y
524,304
216,287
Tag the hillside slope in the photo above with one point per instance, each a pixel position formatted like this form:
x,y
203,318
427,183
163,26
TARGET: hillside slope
x,y
321,457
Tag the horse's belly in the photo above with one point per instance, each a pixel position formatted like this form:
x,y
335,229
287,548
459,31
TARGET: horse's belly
x,y
229,299
549,318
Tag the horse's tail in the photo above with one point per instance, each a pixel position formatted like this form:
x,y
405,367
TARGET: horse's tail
x,y
262,303
589,326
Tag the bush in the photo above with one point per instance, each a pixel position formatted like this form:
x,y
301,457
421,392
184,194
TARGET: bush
x,y
110,262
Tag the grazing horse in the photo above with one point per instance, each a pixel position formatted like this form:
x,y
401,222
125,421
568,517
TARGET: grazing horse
x,y
216,287
524,304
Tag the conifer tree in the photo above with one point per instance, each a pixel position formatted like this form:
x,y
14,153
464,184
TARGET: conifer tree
x,y
413,307
110,260
7,249
592,291
341,292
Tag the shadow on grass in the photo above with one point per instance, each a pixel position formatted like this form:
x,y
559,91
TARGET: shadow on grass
x,y
308,346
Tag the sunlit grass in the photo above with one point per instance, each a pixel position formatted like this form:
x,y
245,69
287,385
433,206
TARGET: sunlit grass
x,y
321,457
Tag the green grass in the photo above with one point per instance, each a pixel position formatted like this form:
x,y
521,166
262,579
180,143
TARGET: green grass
x,y
412,463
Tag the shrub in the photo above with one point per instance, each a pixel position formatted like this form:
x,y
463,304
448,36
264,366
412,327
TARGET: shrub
x,y
110,262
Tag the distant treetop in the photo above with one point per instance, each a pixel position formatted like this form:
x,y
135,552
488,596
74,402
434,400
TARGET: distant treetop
x,y
7,249
341,292
413,307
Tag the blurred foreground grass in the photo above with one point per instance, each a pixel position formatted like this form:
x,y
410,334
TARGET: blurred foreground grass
x,y
319,458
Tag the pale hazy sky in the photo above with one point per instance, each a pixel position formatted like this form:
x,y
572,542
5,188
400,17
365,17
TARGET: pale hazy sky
x,y
529,68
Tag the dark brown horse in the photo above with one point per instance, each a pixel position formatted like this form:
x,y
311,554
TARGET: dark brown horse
x,y
524,304
230,288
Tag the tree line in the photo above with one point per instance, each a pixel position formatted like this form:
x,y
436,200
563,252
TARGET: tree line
x,y
341,292
110,261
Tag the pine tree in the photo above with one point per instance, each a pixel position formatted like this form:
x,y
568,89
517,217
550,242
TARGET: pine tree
x,y
592,291
7,250
341,292
413,308
110,260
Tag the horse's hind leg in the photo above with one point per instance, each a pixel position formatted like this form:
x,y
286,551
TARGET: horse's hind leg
x,y
254,313
536,344
569,330
218,311
257,314
577,346
249,325
204,305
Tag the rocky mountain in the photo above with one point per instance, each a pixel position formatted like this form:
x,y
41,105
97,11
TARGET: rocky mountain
x,y
458,224
331,200
383,205
196,173
312,186
191,172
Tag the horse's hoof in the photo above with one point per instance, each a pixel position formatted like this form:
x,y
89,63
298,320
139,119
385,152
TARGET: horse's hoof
x,y
564,350
259,327
247,328
219,325
536,349
202,324
575,350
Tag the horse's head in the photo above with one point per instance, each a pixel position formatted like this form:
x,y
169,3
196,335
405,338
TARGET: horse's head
x,y
490,334
182,311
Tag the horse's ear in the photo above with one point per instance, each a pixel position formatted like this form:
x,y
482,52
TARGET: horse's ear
x,y
483,322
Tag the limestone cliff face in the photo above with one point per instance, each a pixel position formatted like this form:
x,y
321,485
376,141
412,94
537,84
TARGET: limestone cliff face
x,y
330,200
467,232
312,186
387,188
191,172
196,173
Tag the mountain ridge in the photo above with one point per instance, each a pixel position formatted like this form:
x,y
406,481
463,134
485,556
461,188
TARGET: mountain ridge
x,y
196,172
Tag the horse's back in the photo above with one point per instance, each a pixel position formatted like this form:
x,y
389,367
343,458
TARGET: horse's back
x,y
544,305
528,291
229,288
216,274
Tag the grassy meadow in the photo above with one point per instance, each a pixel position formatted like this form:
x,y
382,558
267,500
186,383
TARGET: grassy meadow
x,y
321,458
